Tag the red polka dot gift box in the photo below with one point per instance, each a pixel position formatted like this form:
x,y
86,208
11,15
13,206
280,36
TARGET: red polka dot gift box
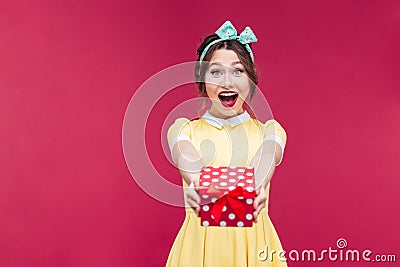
x,y
226,196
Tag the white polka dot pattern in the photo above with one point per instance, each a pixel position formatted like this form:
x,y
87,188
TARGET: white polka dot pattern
x,y
215,183
250,189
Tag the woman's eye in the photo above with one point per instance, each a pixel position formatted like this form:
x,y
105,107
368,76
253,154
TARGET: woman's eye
x,y
215,72
237,71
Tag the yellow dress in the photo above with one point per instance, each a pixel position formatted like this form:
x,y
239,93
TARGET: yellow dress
x,y
231,142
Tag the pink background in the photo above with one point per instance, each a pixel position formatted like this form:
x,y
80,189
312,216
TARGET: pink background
x,y
69,69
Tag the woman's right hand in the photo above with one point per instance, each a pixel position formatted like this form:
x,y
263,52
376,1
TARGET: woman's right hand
x,y
192,196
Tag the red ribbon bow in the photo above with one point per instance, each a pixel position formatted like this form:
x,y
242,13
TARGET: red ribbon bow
x,y
234,202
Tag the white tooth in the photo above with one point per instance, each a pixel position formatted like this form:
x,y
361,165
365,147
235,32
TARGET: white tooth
x,y
228,94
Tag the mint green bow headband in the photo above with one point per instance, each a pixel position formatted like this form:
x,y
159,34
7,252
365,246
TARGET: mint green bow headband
x,y
228,32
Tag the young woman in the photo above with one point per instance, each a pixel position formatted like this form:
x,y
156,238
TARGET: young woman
x,y
226,135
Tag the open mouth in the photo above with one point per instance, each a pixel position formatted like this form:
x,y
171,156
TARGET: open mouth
x,y
228,98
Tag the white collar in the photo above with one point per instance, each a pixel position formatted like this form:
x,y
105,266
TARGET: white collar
x,y
219,123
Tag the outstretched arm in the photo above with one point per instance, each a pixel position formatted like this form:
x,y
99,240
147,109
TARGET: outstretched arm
x,y
267,157
187,159
189,163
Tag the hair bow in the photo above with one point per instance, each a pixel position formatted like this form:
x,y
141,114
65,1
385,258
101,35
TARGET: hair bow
x,y
228,32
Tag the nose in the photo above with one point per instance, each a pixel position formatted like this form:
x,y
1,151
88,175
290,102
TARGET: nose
x,y
227,81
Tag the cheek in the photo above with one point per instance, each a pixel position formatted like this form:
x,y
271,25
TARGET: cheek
x,y
244,87
211,89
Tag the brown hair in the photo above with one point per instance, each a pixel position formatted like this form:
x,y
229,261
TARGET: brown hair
x,y
238,48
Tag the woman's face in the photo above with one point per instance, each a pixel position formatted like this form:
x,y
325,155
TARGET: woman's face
x,y
227,84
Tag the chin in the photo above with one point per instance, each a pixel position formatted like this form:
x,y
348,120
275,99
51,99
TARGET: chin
x,y
229,111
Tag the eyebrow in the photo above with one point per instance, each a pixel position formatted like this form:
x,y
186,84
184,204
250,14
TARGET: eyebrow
x,y
220,64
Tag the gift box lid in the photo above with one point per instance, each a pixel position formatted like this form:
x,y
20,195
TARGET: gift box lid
x,y
216,181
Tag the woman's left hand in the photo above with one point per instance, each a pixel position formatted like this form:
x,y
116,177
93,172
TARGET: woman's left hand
x,y
259,202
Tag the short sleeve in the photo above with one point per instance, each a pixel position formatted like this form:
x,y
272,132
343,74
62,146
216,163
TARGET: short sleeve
x,y
275,132
179,130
